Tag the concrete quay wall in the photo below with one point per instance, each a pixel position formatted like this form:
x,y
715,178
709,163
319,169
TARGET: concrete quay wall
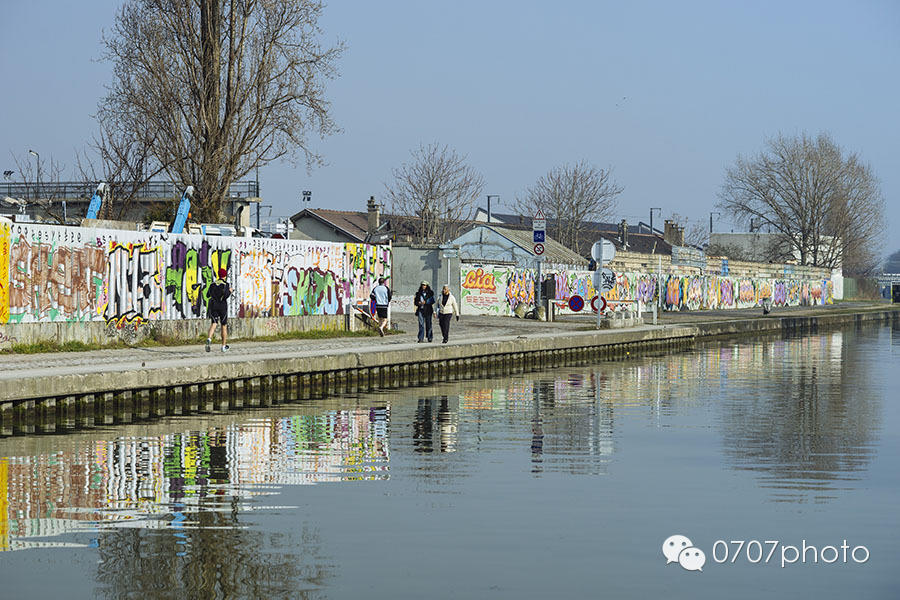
x,y
128,392
98,332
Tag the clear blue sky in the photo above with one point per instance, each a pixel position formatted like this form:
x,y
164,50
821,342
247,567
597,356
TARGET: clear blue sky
x,y
667,93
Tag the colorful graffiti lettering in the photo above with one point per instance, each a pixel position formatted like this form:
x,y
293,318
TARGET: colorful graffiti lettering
x,y
480,280
121,277
520,288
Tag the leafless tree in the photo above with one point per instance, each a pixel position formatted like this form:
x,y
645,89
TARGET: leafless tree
x,y
826,203
438,188
222,85
571,197
695,231
124,160
40,186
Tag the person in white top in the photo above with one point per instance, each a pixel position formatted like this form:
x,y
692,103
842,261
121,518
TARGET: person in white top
x,y
447,307
381,294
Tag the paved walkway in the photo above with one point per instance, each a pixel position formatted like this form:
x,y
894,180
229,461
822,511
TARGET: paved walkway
x,y
468,329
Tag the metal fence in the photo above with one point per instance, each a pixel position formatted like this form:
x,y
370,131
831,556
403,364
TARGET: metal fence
x,y
64,190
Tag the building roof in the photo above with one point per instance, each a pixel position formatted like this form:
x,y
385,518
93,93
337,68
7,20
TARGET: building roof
x,y
554,252
351,222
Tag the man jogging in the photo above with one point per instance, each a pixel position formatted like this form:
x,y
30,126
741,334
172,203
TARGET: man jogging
x,y
218,309
381,294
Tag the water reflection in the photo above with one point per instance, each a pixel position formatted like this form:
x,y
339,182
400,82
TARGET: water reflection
x,y
807,420
801,416
151,482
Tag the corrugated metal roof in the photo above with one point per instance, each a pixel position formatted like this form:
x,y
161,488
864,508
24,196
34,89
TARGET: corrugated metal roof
x,y
554,252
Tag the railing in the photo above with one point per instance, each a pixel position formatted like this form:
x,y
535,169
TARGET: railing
x,y
64,190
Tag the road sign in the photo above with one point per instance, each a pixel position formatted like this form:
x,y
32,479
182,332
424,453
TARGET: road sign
x,y
576,303
538,237
539,222
538,249
604,280
603,251
598,299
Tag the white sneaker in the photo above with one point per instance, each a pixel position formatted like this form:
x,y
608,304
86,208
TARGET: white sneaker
x,y
226,348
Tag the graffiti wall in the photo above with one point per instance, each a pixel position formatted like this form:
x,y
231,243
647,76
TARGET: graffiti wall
x,y
495,289
78,274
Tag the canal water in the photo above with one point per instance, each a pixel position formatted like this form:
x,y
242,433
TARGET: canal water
x,y
559,484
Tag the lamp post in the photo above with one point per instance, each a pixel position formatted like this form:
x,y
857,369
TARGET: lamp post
x,y
37,164
711,219
651,217
489,206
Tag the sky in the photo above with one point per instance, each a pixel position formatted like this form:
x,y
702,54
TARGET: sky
x,y
666,94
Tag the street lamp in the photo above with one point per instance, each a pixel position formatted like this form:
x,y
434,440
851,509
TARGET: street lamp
x,y
489,206
651,217
37,163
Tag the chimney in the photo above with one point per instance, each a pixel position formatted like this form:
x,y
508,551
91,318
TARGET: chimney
x,y
374,216
623,233
673,234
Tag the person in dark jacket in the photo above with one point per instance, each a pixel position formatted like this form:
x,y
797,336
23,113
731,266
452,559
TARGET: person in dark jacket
x,y
218,309
424,301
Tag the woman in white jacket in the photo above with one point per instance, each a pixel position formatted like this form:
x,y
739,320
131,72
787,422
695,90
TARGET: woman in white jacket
x,y
447,307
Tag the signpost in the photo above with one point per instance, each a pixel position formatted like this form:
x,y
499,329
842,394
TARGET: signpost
x,y
539,230
603,251
539,226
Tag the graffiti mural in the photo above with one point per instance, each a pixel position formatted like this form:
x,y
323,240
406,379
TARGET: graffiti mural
x,y
124,278
483,290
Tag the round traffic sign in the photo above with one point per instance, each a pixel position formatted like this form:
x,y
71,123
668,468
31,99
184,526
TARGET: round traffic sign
x,y
594,303
538,249
576,303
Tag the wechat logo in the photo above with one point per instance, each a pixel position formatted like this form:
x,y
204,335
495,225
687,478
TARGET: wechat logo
x,y
678,548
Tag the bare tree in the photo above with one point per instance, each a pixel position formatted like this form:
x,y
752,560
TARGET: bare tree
x,y
695,231
41,187
827,205
438,188
124,160
571,197
222,85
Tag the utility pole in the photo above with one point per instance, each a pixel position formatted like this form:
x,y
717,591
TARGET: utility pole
x,y
651,217
711,219
489,196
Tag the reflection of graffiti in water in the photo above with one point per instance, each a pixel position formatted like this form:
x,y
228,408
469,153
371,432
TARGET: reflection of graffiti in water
x,y
140,478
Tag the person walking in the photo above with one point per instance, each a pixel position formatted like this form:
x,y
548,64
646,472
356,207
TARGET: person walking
x,y
217,309
424,301
381,295
447,307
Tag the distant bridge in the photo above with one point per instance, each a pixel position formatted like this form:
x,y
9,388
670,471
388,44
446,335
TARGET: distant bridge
x,y
76,190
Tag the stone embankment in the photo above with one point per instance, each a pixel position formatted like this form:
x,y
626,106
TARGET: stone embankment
x,y
65,391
